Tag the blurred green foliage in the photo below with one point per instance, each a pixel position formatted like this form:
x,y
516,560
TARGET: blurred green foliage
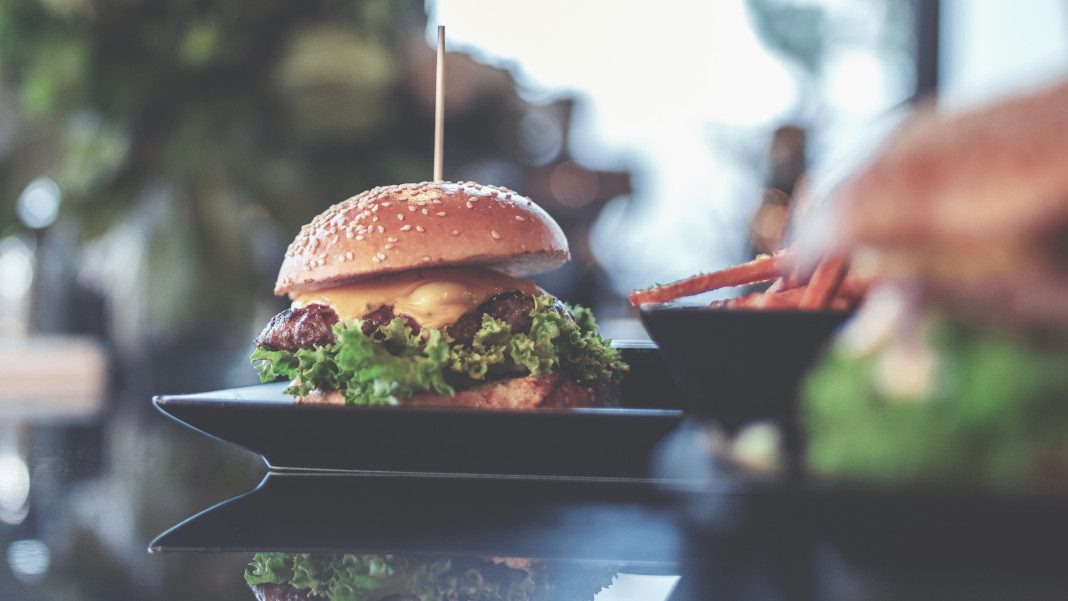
x,y
211,129
991,414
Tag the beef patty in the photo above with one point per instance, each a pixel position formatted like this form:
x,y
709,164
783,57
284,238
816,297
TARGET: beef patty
x,y
312,325
297,328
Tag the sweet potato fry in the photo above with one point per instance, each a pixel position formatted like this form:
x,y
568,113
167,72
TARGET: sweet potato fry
x,y
789,281
854,287
761,269
753,300
824,284
762,300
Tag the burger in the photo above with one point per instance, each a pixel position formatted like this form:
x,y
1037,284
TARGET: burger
x,y
369,577
414,294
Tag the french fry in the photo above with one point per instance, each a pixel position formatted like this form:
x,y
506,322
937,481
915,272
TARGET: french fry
x,y
790,281
854,287
824,284
758,270
786,299
753,300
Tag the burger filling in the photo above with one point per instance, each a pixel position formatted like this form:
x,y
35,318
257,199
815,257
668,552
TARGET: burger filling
x,y
367,577
433,331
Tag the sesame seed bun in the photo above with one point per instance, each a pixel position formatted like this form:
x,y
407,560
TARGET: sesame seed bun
x,y
396,228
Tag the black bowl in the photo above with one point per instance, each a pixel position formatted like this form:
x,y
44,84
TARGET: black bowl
x,y
735,365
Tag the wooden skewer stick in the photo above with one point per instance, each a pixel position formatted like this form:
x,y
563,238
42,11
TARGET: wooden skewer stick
x,y
439,106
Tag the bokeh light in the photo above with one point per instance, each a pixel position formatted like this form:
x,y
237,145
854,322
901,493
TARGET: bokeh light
x,y
38,205
16,267
29,559
14,483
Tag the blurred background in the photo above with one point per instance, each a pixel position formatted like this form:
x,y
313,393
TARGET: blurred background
x,y
157,157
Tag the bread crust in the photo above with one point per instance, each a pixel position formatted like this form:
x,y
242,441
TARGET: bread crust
x,y
397,228
555,391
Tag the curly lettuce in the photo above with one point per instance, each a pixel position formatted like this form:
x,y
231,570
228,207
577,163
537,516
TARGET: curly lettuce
x,y
338,577
364,577
393,362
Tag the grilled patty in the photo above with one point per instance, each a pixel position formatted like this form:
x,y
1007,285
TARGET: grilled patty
x,y
303,327
312,325
511,307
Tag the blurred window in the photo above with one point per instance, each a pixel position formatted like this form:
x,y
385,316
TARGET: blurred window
x,y
687,96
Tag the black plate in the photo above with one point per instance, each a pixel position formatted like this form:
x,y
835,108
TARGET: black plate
x,y
563,443
904,531
617,521
739,365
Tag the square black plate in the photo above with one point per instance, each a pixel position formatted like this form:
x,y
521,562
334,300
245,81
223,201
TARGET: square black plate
x,y
602,443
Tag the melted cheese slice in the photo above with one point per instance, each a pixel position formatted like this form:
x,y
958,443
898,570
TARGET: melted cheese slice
x,y
433,297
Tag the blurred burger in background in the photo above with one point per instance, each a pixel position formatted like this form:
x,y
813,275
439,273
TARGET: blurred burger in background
x,y
955,372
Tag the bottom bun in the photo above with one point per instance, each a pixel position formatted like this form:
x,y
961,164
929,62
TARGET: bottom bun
x,y
548,391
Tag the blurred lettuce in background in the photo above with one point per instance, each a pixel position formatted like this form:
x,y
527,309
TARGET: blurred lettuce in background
x,y
928,400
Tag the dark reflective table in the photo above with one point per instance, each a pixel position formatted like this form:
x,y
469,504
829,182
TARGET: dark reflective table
x,y
84,496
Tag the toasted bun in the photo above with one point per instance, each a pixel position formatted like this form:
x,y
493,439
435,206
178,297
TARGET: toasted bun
x,y
550,390
396,228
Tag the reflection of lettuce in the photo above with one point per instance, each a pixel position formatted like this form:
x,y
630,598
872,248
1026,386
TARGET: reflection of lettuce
x,y
395,363
351,577
267,568
995,414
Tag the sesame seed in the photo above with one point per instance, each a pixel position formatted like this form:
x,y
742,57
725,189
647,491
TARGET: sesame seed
x,y
381,256
455,232
469,205
473,199
519,218
495,235
435,201
386,204
406,227
426,259
391,239
375,218
381,230
388,247
360,237
420,202
376,259
349,234
348,255
419,228
441,213
411,207
400,216
374,208
341,259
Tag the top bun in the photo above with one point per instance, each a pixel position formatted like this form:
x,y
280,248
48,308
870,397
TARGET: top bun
x,y
396,228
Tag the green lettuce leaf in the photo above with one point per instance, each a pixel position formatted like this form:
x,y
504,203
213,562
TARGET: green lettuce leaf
x,y
994,415
267,568
306,573
364,577
394,362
